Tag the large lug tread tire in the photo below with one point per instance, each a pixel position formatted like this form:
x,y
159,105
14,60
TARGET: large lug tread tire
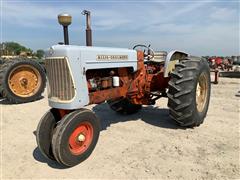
x,y
123,106
45,131
182,93
66,128
5,89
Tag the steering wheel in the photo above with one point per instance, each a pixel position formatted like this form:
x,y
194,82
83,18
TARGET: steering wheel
x,y
147,51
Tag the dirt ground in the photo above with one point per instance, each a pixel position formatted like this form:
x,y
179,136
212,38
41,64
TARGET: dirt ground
x,y
144,145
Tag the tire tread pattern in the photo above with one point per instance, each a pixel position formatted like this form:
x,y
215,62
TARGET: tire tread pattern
x,y
182,92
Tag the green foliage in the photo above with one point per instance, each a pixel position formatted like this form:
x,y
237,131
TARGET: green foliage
x,y
40,53
16,48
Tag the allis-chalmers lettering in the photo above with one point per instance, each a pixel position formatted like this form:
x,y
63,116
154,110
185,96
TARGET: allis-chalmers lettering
x,y
112,57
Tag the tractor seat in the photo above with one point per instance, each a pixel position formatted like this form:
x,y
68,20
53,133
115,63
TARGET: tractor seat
x,y
159,56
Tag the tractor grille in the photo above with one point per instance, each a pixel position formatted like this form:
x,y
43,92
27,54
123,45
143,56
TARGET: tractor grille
x,y
61,87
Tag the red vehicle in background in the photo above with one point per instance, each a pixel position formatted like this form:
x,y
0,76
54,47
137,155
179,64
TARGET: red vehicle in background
x,y
220,63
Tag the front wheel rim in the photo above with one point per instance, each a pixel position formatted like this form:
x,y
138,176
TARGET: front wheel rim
x,y
201,92
81,138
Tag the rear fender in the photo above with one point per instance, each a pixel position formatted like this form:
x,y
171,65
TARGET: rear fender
x,y
172,58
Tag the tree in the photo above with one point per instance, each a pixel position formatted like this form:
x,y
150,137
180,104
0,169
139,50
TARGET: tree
x,y
15,48
40,53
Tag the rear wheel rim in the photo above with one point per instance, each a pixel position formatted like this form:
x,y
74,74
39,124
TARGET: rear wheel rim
x,y
201,92
81,138
24,81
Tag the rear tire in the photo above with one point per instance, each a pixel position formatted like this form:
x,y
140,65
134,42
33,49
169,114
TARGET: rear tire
x,y
189,92
23,87
123,106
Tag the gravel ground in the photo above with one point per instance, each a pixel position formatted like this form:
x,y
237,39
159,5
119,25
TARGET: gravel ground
x,y
144,145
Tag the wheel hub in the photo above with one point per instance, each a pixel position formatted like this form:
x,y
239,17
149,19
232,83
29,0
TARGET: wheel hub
x,y
81,138
24,82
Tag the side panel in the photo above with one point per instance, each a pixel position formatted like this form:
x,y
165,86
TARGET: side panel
x,y
172,59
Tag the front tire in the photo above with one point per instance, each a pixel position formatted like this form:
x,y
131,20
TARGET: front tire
x,y
75,137
189,92
44,132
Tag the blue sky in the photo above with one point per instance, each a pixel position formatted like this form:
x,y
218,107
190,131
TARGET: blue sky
x,y
198,27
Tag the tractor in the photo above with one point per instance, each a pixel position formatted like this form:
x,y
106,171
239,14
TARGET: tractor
x,y
22,78
125,79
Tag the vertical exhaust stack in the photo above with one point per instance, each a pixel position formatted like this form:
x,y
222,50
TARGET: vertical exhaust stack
x,y
88,28
65,20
